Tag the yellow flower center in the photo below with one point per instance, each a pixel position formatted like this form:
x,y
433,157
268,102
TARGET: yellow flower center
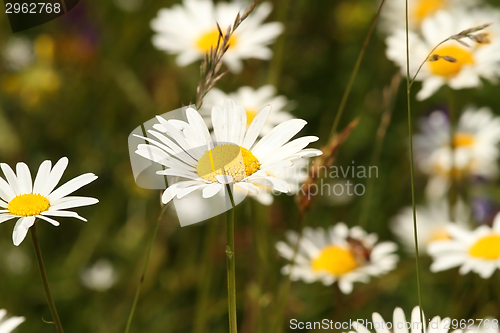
x,y
28,205
424,8
463,140
487,247
230,160
334,260
440,234
449,69
210,39
251,113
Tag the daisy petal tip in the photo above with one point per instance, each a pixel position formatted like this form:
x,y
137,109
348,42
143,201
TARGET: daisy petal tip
x,y
224,179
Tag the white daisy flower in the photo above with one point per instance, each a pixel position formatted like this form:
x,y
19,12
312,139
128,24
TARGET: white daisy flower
x,y
432,220
338,254
399,323
477,251
235,155
476,152
20,197
479,60
8,325
190,29
252,101
394,14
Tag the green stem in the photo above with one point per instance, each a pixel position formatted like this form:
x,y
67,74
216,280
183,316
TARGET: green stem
x,y
412,176
45,280
231,275
143,274
354,72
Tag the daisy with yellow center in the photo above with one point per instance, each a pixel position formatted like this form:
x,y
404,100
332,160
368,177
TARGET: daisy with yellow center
x,y
190,30
477,251
234,155
20,197
433,219
394,14
481,59
475,142
252,101
338,254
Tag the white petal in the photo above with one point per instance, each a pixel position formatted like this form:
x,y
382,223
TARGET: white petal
x,y
21,229
62,213
399,317
24,178
11,178
219,123
196,120
10,324
48,219
280,135
54,176
6,217
249,187
71,186
6,191
224,179
255,128
42,176
211,190
71,202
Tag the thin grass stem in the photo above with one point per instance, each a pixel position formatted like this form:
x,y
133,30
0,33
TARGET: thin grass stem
x,y
45,280
231,274
412,176
354,72
143,274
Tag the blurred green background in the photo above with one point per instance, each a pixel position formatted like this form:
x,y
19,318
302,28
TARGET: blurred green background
x,y
96,76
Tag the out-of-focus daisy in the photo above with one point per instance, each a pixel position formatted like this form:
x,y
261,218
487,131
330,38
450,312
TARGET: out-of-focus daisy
x,y
394,14
235,156
100,277
253,100
477,251
475,140
469,64
338,254
34,81
18,53
431,221
399,323
20,197
8,325
190,29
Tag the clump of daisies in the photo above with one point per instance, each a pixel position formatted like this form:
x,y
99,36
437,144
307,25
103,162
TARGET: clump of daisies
x,y
233,155
475,153
26,200
7,325
190,30
475,250
338,254
252,100
471,50
432,219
